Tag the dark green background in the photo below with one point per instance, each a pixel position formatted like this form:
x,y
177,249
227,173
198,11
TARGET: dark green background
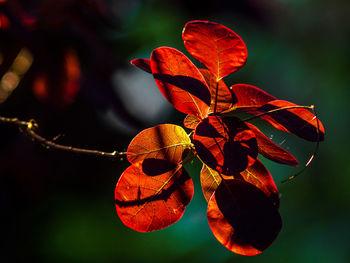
x,y
59,207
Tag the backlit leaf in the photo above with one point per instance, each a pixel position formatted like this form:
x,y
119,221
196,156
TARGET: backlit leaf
x,y
221,98
226,145
166,141
210,181
220,49
191,122
299,121
246,96
153,200
256,175
142,63
259,176
243,218
180,81
271,150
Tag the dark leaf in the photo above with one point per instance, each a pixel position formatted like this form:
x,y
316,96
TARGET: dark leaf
x,y
59,85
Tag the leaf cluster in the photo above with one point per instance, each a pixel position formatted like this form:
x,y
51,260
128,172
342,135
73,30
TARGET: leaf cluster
x,y
243,200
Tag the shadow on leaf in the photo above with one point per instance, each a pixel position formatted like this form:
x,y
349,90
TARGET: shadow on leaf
x,y
153,167
243,218
299,121
176,185
191,85
225,145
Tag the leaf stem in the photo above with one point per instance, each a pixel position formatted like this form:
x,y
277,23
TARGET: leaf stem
x,y
29,127
216,95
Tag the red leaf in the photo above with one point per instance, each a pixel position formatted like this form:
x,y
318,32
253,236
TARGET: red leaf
x,y
148,202
259,176
270,150
256,175
247,96
142,63
165,141
299,121
225,145
191,122
220,49
221,98
180,81
242,218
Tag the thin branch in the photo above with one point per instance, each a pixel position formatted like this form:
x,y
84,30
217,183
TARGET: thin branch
x,y
315,149
29,127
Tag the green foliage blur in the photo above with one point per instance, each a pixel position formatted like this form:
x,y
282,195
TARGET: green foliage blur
x,y
59,207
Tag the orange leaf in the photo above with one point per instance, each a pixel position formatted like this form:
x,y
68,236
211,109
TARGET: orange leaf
x,y
242,218
142,63
226,145
148,201
221,98
191,122
166,141
299,121
220,49
210,181
180,81
256,175
246,96
270,150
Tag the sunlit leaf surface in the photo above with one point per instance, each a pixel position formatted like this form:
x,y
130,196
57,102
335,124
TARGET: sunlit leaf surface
x,y
210,181
220,49
142,63
191,122
246,96
226,145
271,150
299,121
180,81
151,197
166,141
243,218
221,98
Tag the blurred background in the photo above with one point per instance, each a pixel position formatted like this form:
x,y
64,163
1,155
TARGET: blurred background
x,y
66,64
